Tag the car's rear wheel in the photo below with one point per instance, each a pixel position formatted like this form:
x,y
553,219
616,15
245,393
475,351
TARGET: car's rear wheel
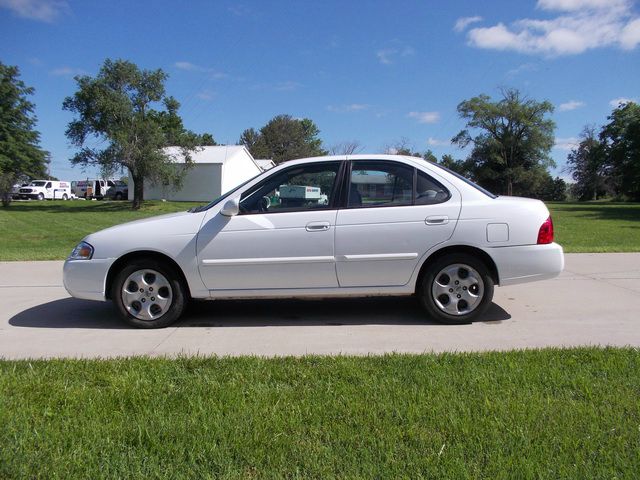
x,y
118,196
456,289
148,294
65,197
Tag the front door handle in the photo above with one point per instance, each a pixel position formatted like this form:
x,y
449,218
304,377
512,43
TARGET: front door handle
x,y
437,220
317,226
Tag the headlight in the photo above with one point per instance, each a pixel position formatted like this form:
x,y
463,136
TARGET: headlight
x,y
83,251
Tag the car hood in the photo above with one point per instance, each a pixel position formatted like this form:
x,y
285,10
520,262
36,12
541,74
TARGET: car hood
x,y
148,233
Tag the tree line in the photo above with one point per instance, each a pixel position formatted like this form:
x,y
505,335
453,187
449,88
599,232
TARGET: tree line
x,y
123,118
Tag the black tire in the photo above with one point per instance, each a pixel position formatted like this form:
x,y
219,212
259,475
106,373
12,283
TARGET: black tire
x,y
41,196
178,293
429,303
65,197
118,196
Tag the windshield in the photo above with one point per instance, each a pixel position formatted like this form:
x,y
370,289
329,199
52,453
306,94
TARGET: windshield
x,y
38,184
202,208
464,179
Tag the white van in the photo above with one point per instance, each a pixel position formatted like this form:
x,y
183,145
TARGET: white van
x,y
46,189
96,188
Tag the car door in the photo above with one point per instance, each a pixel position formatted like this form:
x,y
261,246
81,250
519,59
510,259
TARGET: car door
x,y
48,190
283,237
394,214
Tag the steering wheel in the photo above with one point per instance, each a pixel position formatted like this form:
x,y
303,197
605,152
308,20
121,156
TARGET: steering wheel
x,y
263,204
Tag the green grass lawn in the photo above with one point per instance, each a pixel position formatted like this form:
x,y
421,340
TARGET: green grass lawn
x,y
597,226
49,230
525,414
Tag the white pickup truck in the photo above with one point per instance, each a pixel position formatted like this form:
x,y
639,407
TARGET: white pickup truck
x,y
46,189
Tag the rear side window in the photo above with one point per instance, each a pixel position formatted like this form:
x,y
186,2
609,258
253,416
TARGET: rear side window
x,y
392,184
380,184
428,191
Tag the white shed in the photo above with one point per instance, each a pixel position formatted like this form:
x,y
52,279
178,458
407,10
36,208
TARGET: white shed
x,y
265,163
215,170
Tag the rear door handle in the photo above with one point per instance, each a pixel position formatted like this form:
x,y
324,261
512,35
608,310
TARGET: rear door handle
x,y
317,226
437,220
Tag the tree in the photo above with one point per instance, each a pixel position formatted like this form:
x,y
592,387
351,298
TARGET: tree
x,y
250,138
351,147
621,143
21,157
284,138
587,165
128,111
511,139
551,189
458,166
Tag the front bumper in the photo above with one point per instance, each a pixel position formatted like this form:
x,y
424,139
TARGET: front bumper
x,y
86,279
527,263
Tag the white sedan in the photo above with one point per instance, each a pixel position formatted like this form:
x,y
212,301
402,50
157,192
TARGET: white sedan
x,y
387,225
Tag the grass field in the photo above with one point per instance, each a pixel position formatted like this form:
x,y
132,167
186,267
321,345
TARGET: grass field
x,y
524,414
597,226
49,230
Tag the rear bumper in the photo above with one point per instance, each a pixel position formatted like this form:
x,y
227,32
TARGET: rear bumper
x,y
527,263
86,278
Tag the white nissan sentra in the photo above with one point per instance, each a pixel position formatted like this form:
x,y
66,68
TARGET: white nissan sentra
x,y
355,225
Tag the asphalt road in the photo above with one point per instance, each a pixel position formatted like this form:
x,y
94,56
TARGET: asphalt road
x,y
594,302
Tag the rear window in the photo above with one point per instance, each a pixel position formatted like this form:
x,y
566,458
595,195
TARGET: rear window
x,y
466,180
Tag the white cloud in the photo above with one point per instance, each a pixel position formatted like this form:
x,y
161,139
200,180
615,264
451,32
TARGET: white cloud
x,y
387,56
286,86
574,5
568,143
570,105
525,67
67,72
352,107
620,100
435,142
425,117
206,95
192,67
463,22
630,36
581,25
41,10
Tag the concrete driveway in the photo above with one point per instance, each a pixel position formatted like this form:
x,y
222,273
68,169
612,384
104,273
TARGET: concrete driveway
x,y
594,302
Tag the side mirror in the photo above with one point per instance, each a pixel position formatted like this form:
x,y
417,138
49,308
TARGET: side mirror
x,y
231,208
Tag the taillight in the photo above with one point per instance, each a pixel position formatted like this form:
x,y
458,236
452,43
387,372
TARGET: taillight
x,y
545,234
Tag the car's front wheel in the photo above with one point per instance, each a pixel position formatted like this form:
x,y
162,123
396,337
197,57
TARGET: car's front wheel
x,y
148,294
456,289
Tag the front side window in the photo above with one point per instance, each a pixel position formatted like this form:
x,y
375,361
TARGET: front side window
x,y
48,185
306,187
378,184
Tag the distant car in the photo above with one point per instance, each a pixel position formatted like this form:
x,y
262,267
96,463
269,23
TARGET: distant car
x,y
117,190
15,190
391,225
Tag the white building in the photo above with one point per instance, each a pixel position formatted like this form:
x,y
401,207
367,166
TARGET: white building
x,y
265,163
215,170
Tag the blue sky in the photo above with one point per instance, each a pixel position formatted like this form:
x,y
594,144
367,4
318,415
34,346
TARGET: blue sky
x,y
371,71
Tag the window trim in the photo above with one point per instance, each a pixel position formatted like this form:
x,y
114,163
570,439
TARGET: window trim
x,y
334,203
347,183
